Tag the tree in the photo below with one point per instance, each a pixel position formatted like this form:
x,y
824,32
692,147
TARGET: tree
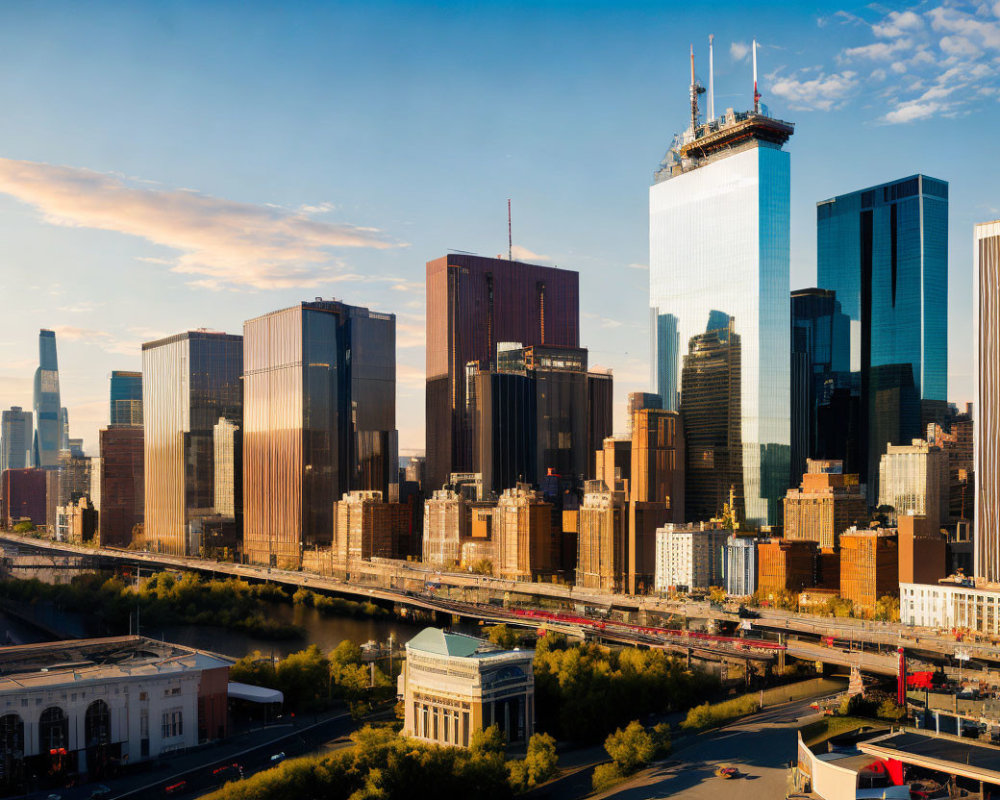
x,y
541,759
502,636
482,567
631,748
717,594
887,608
488,740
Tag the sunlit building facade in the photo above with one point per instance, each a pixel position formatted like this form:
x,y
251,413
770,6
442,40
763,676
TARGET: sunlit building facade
x,y
320,421
189,381
986,364
718,254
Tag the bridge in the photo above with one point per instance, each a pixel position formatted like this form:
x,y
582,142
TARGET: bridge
x,y
868,645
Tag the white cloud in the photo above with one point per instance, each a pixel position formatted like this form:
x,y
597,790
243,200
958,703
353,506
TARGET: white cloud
x,y
223,243
898,23
644,267
822,92
912,111
877,51
947,19
738,50
524,254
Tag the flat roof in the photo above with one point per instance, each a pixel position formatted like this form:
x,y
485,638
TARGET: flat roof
x,y
46,664
943,754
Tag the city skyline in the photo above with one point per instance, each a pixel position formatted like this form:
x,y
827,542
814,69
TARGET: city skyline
x,y
67,201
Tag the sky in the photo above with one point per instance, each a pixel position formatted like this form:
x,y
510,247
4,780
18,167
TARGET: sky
x,y
170,166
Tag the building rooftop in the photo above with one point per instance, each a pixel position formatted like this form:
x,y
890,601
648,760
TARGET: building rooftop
x,y
435,641
69,662
951,755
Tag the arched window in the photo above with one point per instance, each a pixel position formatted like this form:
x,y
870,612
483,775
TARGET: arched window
x,y
12,735
97,724
53,730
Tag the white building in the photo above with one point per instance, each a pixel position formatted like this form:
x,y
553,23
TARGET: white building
x,y
951,605
913,479
719,255
86,705
453,685
688,558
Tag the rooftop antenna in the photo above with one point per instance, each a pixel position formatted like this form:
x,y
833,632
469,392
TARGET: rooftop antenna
x,y
711,79
696,89
510,236
756,94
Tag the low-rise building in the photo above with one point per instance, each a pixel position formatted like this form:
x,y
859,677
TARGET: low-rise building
x,y
786,566
23,495
689,557
869,567
453,685
85,706
958,603
740,565
824,506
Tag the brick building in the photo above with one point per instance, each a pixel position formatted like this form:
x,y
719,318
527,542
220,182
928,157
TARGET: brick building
x,y
824,506
869,567
786,565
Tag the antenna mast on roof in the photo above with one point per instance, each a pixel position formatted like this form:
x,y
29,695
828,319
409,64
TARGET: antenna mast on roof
x,y
711,79
696,89
756,94
510,236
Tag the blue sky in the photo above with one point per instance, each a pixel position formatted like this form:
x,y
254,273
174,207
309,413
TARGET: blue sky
x,y
167,166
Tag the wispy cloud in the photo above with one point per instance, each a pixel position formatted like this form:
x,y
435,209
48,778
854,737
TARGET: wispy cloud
x,y
524,254
223,243
738,50
812,90
644,267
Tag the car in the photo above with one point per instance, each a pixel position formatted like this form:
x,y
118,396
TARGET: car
x,y
726,773
277,758
100,792
176,788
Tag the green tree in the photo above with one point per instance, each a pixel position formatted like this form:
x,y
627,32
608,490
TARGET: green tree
x,y
502,636
488,740
887,608
26,526
630,748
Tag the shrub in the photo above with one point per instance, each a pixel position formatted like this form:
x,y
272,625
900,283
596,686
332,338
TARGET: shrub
x,y
710,716
605,776
631,748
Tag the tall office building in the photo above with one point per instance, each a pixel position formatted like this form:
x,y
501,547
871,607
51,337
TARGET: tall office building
x,y
821,364
884,251
711,409
48,434
718,255
913,480
538,410
121,481
319,422
986,364
473,304
15,439
126,398
189,381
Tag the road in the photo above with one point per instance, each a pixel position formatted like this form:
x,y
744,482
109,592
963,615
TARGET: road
x,y
761,747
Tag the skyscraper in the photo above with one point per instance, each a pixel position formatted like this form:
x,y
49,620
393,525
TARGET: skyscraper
x,y
474,303
15,439
719,250
48,434
884,251
821,363
122,487
189,381
986,365
319,422
126,398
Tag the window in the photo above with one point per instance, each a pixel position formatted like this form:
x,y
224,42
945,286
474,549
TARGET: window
x,y
173,724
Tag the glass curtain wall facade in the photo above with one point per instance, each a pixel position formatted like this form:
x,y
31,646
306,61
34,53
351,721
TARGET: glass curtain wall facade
x,y
719,242
189,382
320,421
126,398
986,431
48,434
821,361
474,303
15,439
884,251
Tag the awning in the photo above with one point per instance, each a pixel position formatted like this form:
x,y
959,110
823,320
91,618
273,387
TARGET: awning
x,y
254,694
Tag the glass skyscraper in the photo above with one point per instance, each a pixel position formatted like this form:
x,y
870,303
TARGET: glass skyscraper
x,y
189,382
48,434
15,439
320,421
884,251
719,251
126,398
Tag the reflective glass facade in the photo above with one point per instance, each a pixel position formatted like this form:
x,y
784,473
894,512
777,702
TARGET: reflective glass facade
x,y
884,251
15,439
48,434
719,244
474,303
189,381
320,420
126,398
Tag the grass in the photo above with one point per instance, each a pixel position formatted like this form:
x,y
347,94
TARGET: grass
x,y
818,732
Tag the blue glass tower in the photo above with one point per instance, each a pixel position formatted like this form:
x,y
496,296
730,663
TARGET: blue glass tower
x,y
48,435
884,251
